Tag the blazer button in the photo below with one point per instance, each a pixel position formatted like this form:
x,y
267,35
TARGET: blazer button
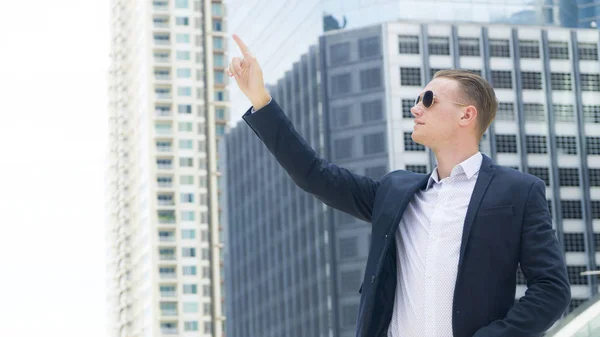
x,y
386,236
372,279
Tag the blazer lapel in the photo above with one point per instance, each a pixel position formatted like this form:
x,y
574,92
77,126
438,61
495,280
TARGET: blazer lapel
x,y
486,173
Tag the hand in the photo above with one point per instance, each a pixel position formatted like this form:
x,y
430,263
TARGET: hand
x,y
248,76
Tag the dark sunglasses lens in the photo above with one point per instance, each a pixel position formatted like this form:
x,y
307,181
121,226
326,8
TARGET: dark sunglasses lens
x,y
428,98
417,100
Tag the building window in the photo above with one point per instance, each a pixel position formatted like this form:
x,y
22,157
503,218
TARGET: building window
x,y
349,314
184,91
439,45
410,144
410,76
571,209
408,44
184,127
189,270
506,111
349,281
433,71
190,325
190,289
370,78
339,53
184,109
343,148
340,116
566,145
376,172
588,51
182,4
564,112
417,168
502,79
187,197
560,81
219,77
596,213
558,50
575,277
591,113
186,162
574,242
341,84
368,47
188,233
534,112
188,252
182,21
182,55
217,9
499,48
529,49
374,143
407,104
594,175
536,144
575,302
541,172
218,43
593,145
217,25
348,247
372,111
182,38
188,215
184,73
590,82
531,80
468,46
506,143
568,176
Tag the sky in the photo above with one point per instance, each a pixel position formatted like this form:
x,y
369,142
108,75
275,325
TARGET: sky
x,y
53,109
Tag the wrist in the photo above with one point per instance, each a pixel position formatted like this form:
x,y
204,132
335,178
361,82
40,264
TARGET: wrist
x,y
261,100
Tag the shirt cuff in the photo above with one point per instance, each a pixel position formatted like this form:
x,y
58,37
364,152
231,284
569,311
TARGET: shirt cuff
x,y
253,111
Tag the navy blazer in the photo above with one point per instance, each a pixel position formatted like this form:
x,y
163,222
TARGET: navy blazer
x,y
507,223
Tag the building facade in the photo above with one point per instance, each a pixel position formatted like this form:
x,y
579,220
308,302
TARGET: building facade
x,y
279,31
168,111
350,97
571,13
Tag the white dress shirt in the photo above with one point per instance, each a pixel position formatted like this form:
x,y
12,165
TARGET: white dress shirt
x,y
428,247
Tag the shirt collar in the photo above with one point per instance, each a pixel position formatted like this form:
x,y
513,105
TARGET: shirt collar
x,y
469,167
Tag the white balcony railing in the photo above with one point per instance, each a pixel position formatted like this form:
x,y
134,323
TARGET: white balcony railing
x,y
168,275
161,42
165,166
163,148
168,331
163,113
169,312
168,294
161,59
163,95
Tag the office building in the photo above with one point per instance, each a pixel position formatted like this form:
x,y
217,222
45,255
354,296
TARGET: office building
x,y
571,13
295,265
168,111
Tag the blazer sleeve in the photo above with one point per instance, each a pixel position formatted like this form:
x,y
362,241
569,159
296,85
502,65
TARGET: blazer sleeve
x,y
333,185
548,291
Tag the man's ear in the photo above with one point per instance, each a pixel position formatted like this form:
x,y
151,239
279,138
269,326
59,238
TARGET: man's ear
x,y
469,115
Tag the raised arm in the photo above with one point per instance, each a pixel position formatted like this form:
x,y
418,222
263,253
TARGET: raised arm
x,y
335,186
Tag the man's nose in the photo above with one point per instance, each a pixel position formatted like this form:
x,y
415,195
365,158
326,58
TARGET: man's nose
x,y
416,110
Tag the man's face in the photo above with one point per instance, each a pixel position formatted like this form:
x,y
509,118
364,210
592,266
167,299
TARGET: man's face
x,y
438,125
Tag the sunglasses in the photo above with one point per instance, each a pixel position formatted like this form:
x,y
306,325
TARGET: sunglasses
x,y
428,98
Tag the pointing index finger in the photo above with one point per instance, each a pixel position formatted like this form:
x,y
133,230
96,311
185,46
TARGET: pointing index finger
x,y
241,44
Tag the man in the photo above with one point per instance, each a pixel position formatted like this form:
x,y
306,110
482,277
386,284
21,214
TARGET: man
x,y
446,246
